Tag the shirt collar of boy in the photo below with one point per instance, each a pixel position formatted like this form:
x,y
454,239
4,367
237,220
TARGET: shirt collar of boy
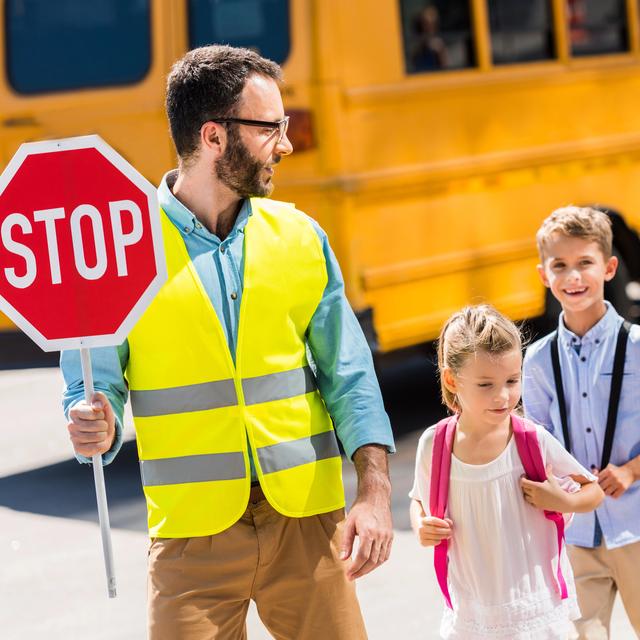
x,y
607,324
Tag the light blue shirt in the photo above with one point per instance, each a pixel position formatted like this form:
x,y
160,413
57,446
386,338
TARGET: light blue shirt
x,y
339,352
586,365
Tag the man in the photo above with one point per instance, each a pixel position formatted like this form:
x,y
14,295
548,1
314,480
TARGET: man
x,y
235,427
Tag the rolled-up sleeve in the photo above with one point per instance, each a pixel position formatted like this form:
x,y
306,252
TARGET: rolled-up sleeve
x,y
344,366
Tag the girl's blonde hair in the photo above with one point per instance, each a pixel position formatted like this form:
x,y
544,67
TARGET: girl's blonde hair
x,y
472,329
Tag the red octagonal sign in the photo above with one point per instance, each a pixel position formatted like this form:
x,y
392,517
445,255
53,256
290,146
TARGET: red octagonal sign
x,y
80,243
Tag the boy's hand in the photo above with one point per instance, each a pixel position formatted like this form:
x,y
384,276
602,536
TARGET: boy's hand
x,y
433,530
92,426
615,480
547,495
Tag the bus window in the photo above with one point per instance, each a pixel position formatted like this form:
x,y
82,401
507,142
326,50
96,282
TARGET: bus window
x,y
75,44
520,31
437,35
597,26
262,25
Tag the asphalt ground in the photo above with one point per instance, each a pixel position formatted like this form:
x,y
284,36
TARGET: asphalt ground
x,y
52,582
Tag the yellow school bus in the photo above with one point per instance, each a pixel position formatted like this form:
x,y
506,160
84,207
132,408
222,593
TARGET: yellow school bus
x,y
431,136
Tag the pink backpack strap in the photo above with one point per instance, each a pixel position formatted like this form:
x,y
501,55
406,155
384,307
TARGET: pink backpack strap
x,y
439,494
530,454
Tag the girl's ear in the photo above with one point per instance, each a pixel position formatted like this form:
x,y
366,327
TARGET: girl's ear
x,y
449,380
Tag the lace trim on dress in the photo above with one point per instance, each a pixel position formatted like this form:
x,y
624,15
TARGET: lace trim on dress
x,y
526,618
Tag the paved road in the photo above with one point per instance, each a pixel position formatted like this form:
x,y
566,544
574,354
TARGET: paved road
x,y
52,579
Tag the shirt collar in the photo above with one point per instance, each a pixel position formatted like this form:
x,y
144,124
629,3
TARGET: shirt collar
x,y
608,323
184,219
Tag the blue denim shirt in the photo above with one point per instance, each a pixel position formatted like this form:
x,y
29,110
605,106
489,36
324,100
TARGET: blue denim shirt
x,y
339,352
586,365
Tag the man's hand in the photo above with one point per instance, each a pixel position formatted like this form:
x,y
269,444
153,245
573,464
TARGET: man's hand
x,y
92,426
547,495
370,515
616,480
431,530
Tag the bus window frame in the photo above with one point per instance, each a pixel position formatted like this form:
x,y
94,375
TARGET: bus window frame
x,y
485,71
153,7
161,57
633,29
290,35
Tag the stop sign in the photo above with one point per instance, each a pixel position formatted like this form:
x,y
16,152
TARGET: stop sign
x,y
81,250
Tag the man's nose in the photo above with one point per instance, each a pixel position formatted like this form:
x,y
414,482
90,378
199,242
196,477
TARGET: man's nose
x,y
284,147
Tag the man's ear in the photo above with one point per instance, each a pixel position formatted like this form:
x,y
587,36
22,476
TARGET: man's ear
x,y
610,268
213,137
449,380
543,275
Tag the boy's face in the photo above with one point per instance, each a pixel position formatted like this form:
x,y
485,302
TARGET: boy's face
x,y
575,270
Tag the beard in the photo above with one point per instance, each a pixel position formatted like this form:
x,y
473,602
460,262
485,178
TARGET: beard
x,y
240,171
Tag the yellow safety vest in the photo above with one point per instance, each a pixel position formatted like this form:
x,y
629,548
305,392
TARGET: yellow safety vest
x,y
193,409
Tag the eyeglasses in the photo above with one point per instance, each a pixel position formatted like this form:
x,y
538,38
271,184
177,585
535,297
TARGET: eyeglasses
x,y
280,125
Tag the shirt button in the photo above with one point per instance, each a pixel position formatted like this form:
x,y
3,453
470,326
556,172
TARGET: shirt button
x,y
597,341
186,229
584,394
234,295
583,359
222,249
198,225
588,429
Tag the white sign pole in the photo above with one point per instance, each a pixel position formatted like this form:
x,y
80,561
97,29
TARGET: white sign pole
x,y
98,477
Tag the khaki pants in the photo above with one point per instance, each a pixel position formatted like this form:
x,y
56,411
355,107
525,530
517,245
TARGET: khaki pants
x,y
600,573
199,588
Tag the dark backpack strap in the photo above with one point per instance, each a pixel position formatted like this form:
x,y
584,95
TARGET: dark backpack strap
x,y
616,388
557,376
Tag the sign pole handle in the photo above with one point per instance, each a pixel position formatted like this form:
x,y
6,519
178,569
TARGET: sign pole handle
x,y
98,477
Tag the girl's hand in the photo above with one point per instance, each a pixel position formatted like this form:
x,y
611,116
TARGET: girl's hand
x,y
432,530
547,495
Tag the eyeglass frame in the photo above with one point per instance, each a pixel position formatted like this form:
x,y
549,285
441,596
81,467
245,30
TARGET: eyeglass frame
x,y
280,125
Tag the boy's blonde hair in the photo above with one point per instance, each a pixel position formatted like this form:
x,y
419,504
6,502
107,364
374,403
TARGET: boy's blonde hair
x,y
468,331
577,222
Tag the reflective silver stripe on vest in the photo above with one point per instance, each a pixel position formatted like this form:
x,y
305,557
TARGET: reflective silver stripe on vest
x,y
192,397
199,468
277,386
285,455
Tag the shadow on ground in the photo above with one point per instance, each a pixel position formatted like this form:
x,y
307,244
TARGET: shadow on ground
x,y
66,489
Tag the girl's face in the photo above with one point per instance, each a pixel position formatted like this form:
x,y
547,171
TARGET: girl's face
x,y
488,386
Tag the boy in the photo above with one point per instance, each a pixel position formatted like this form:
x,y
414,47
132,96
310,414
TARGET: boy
x,y
575,398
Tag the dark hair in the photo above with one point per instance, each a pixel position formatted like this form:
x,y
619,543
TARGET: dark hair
x,y
206,83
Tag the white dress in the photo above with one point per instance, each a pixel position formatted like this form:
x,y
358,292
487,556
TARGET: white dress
x,y
503,553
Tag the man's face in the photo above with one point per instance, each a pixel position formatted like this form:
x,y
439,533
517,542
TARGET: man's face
x,y
575,270
247,164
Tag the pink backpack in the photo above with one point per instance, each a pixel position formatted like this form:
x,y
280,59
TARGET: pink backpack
x,y
531,457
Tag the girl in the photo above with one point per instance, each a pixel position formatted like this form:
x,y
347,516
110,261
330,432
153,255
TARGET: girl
x,y
502,550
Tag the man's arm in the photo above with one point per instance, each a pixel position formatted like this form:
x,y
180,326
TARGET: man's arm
x,y
96,428
370,516
350,390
